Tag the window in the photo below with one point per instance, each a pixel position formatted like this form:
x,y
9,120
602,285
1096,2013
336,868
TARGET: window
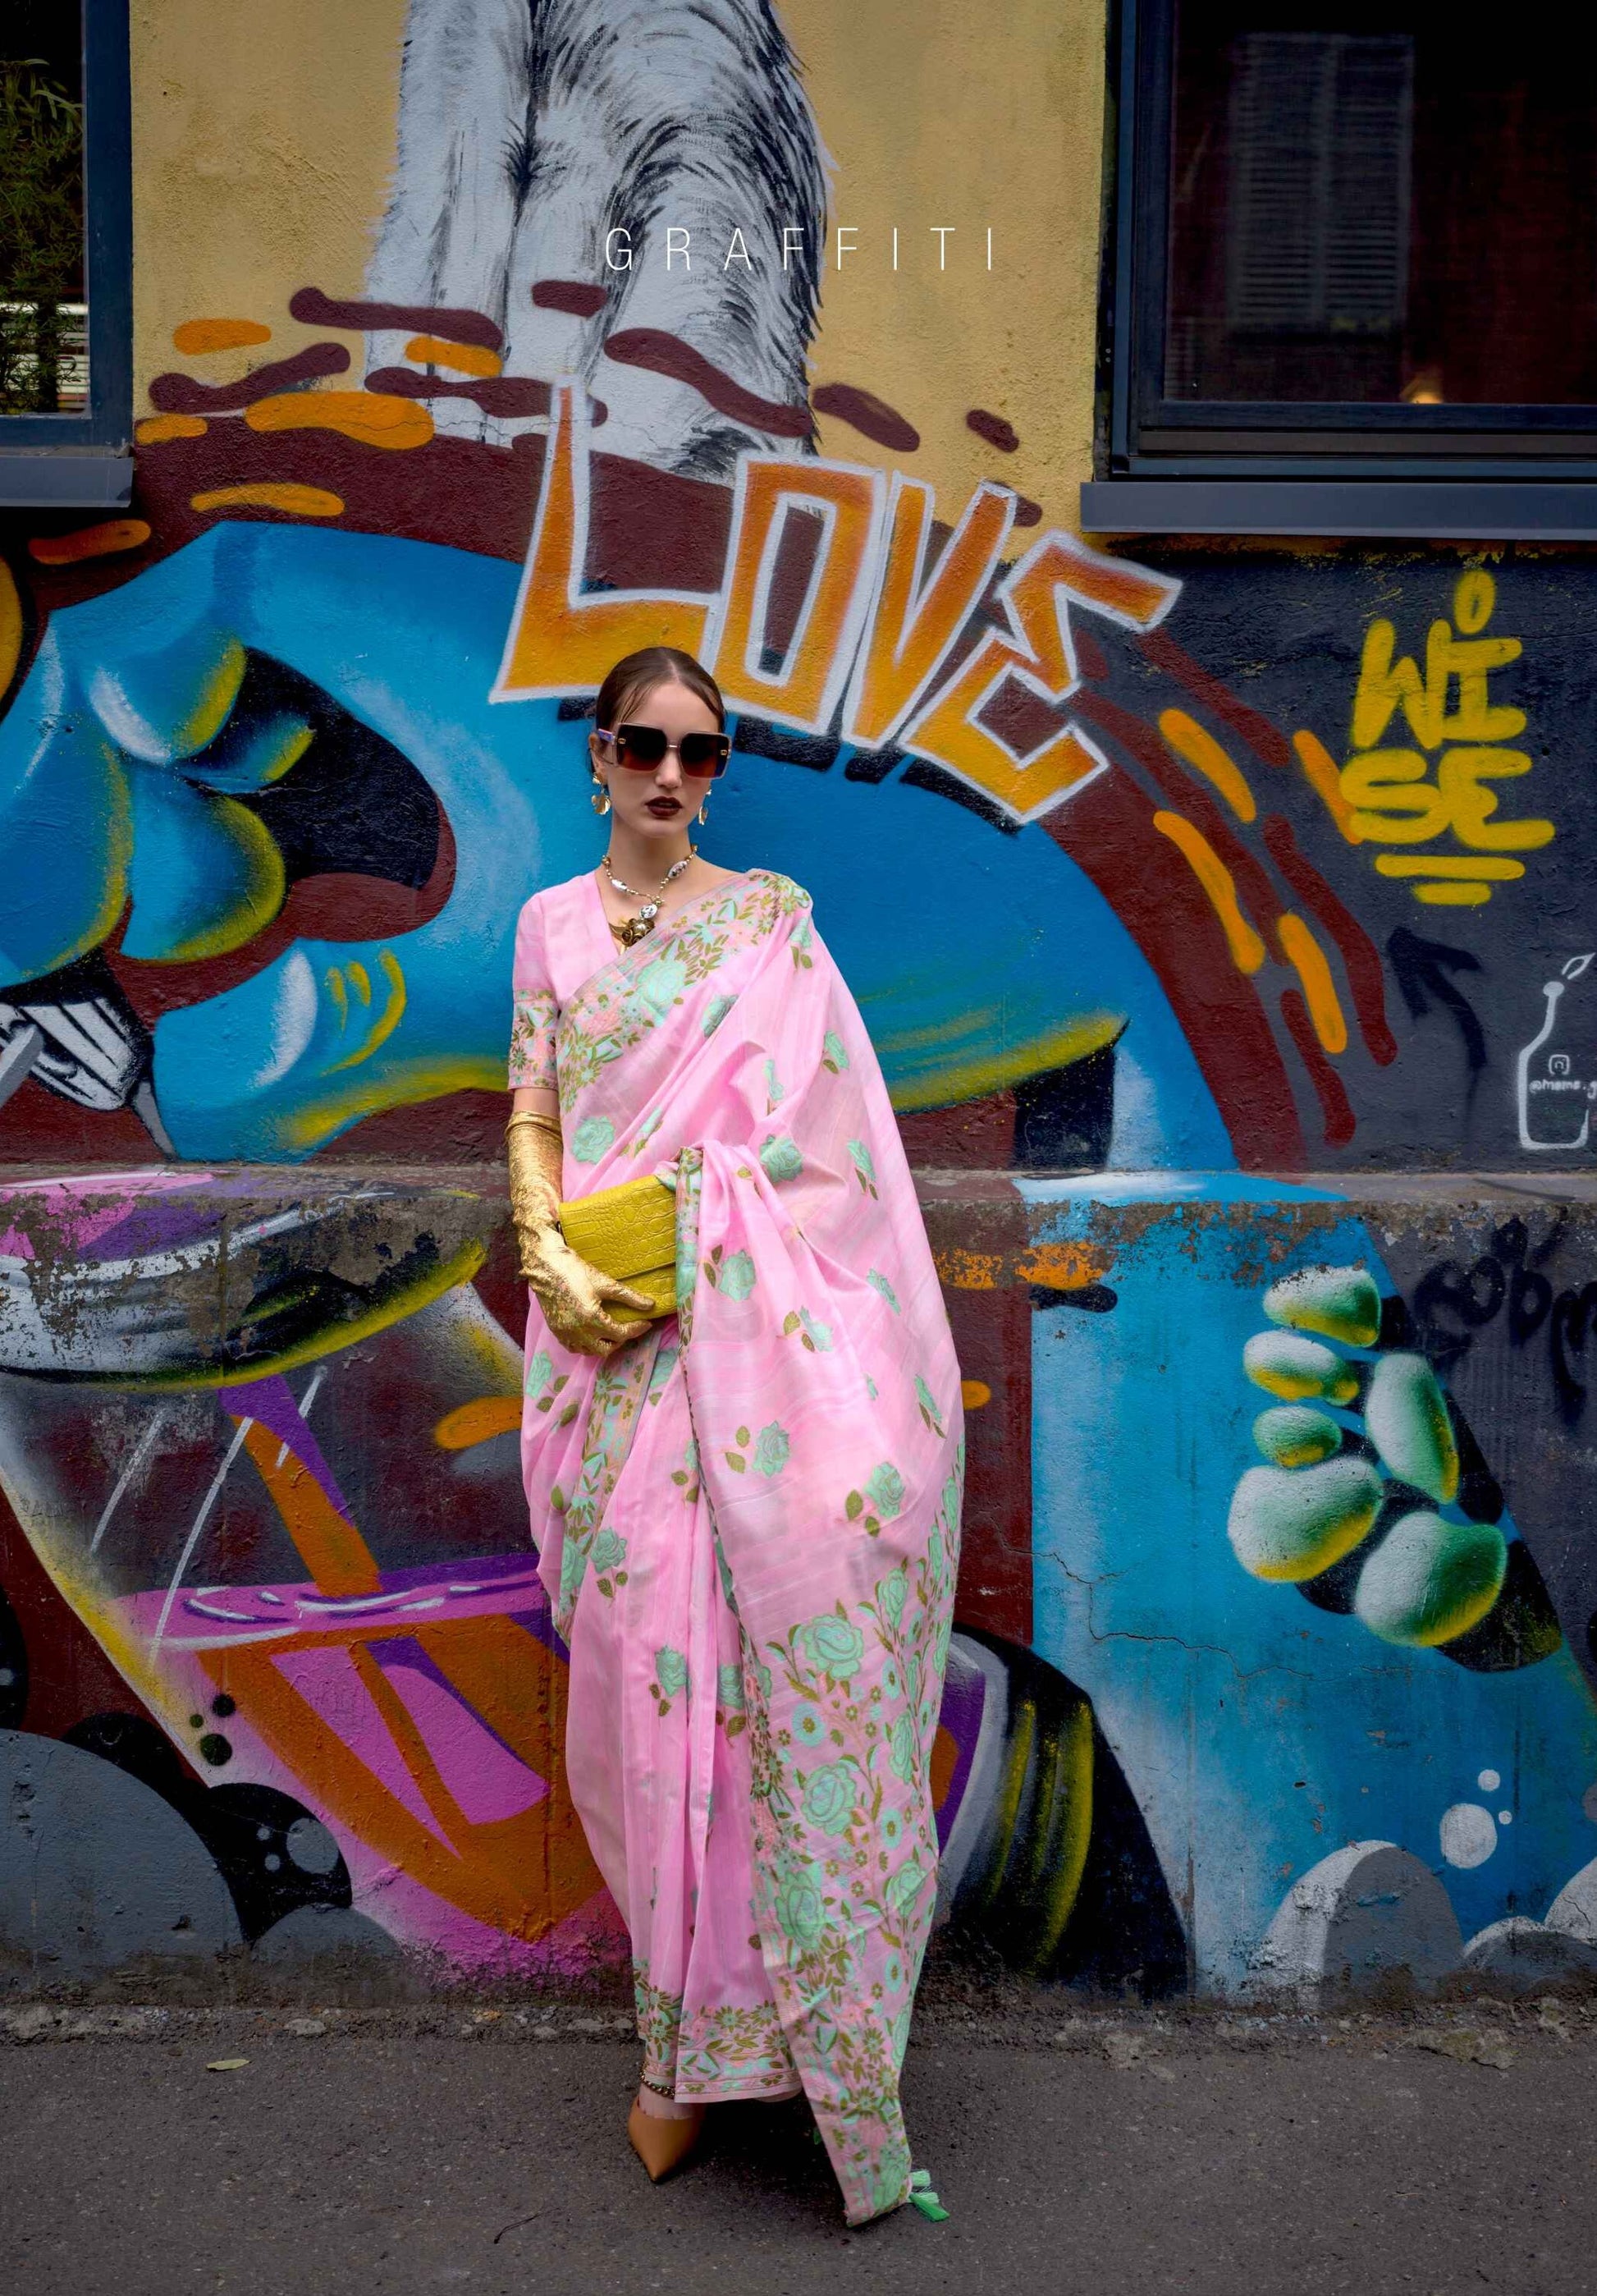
x,y
1357,243
65,302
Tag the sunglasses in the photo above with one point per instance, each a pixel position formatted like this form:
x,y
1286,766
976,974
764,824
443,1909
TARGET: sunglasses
x,y
701,756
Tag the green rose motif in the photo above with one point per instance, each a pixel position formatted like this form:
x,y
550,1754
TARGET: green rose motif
x,y
540,1371
800,1906
729,1688
736,1277
592,1138
892,1684
573,1564
901,1746
892,1829
944,1631
661,983
834,1645
762,1675
900,2036
830,1797
862,1162
878,1282
775,1090
808,1729
892,2171
892,1973
905,1885
771,1450
934,1554
832,1050
885,1489
780,1158
890,1596
716,1012
820,1333
609,1551
648,1128
670,1670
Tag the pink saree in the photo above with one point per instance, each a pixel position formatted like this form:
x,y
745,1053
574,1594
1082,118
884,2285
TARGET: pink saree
x,y
747,1519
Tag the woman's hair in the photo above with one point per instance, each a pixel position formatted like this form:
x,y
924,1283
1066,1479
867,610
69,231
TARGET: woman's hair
x,y
638,674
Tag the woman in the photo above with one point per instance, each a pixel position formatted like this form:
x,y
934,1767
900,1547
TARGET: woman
x,y
747,1512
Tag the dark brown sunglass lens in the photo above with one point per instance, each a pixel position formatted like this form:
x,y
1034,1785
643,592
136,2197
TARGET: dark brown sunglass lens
x,y
704,753
640,745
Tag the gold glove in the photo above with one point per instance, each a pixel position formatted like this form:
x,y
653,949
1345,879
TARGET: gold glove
x,y
574,1296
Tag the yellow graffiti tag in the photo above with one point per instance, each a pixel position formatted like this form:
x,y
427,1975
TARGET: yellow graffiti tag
x,y
1440,782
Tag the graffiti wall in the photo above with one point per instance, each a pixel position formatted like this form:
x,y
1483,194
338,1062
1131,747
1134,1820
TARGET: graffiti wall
x,y
1219,920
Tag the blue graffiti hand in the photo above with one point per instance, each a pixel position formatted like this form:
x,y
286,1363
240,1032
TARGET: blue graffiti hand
x,y
1360,1500
165,727
131,766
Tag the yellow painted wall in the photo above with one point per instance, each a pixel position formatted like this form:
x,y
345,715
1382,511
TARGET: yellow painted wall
x,y
942,113
264,137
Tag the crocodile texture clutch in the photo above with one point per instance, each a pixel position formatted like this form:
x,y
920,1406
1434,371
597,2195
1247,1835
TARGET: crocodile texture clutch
x,y
630,1233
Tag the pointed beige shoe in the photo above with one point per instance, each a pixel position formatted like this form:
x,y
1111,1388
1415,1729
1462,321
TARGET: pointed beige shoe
x,y
663,2146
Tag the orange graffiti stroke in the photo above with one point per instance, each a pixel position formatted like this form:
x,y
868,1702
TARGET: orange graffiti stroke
x,y
1320,771
101,541
195,336
155,430
372,418
1198,748
1247,950
478,1422
461,358
1319,989
271,494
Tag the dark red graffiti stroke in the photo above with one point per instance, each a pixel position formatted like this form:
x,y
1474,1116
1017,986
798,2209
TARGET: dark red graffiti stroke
x,y
311,308
1265,740
576,298
498,394
871,416
1253,886
1359,951
664,354
1335,1107
180,394
1107,829
994,429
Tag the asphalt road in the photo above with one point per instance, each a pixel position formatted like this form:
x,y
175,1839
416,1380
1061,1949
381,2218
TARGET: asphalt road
x,y
1121,2158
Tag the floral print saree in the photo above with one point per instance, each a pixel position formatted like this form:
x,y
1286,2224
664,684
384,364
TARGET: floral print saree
x,y
747,1519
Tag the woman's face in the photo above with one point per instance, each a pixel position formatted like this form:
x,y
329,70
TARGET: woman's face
x,y
659,804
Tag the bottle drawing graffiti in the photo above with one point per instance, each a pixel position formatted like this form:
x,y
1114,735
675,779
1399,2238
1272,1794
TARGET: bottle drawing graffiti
x,y
1551,1095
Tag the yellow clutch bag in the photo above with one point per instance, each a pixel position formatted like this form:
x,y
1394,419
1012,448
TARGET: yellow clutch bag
x,y
630,1233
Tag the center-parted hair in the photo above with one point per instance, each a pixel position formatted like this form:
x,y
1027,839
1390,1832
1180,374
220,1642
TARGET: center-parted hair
x,y
638,674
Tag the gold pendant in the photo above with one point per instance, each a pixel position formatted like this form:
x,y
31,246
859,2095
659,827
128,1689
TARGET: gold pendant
x,y
634,930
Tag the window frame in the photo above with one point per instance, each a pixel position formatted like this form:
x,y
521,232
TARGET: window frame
x,y
1255,466
84,460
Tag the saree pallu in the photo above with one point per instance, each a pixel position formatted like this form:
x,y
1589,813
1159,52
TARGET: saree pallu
x,y
748,1518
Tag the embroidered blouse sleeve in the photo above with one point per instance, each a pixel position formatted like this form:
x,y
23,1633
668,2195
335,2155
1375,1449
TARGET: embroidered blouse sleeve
x,y
534,1013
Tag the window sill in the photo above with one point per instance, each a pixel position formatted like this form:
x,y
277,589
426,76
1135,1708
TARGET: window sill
x,y
65,478
1395,510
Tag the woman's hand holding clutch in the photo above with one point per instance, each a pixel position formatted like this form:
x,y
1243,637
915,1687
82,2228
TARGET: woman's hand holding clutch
x,y
576,1298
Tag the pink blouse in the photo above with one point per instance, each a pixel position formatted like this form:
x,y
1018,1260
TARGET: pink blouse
x,y
562,938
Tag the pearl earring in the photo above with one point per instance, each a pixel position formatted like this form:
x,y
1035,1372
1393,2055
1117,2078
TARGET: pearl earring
x,y
599,801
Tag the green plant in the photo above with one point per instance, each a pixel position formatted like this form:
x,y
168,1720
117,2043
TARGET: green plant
x,y
41,231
